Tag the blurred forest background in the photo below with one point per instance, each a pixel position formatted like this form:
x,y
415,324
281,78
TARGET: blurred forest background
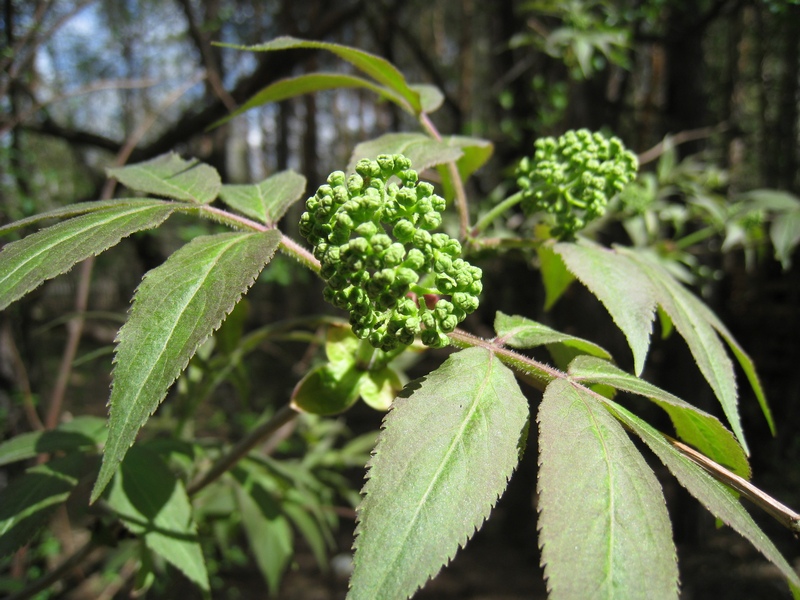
x,y
88,84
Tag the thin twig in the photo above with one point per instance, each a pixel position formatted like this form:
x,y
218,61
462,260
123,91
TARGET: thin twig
x,y
21,378
681,137
240,450
61,571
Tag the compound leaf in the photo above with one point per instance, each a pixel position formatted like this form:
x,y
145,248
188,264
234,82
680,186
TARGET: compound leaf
x,y
444,456
152,503
27,263
176,307
28,501
604,527
171,176
423,151
620,285
266,201
698,428
715,496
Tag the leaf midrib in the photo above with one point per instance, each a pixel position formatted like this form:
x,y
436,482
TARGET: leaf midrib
x,y
411,522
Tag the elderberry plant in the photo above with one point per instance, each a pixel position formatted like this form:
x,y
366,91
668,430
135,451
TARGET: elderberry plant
x,y
452,438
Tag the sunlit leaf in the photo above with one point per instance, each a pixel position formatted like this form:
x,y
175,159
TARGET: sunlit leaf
x,y
171,176
152,503
603,524
716,497
27,263
519,332
691,319
698,428
376,67
266,201
379,388
307,84
620,285
445,454
785,236
176,307
555,275
423,151
431,97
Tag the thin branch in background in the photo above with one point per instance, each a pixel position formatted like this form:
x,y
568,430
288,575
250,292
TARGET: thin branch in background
x,y
113,84
690,135
20,377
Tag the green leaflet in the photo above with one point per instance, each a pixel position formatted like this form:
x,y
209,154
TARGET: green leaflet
x,y
381,70
698,325
604,528
444,456
328,389
555,276
81,433
631,285
785,236
76,209
625,292
266,528
698,428
170,176
266,201
176,307
28,501
715,496
27,263
422,150
519,332
307,84
152,503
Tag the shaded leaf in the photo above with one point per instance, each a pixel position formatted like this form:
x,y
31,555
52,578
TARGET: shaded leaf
x,y
28,501
620,285
307,84
171,176
176,307
519,332
604,527
716,497
27,263
555,275
698,428
152,503
423,151
81,433
266,201
266,528
328,389
376,67
444,456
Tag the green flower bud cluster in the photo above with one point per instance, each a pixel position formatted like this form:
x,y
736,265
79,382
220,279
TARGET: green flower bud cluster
x,y
574,177
380,260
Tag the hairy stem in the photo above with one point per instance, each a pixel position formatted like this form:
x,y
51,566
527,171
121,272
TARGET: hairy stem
x,y
458,186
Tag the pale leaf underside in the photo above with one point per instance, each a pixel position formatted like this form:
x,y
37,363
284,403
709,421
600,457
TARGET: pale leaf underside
x,y
444,456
